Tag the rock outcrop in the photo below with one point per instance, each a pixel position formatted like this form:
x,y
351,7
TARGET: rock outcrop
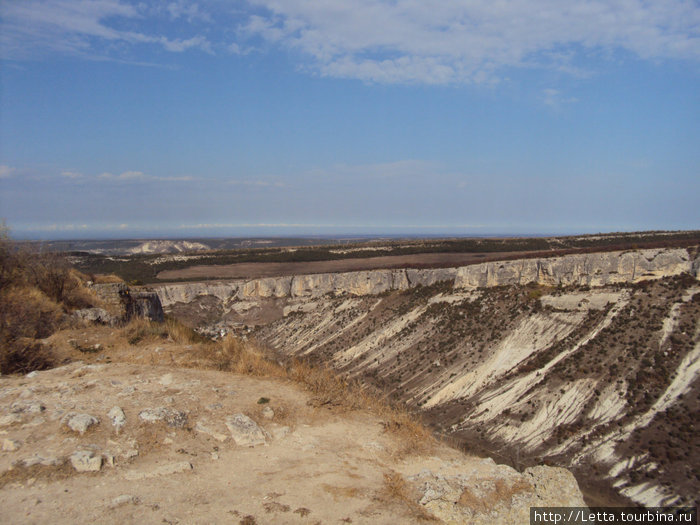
x,y
591,269
124,305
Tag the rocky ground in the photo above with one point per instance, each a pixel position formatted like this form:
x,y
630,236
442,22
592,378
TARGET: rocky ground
x,y
100,442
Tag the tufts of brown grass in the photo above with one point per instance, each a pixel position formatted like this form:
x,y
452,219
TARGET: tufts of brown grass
x,y
396,490
106,279
500,493
141,330
244,358
181,333
414,436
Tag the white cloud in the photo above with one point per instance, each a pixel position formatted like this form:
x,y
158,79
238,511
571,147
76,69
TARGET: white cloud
x,y
178,46
127,175
453,41
555,99
6,171
187,10
139,176
82,27
69,174
384,41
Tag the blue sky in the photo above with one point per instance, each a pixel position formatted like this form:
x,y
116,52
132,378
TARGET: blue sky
x,y
273,117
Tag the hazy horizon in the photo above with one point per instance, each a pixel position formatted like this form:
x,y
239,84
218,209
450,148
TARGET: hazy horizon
x,y
339,235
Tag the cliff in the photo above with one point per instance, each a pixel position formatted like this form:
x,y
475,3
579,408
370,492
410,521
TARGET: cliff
x,y
593,269
123,304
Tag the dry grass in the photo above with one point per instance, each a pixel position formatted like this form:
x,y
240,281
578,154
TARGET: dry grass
x,y
396,490
500,493
106,279
142,330
326,387
28,312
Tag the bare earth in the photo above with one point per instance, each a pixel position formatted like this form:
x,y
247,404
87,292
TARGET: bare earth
x,y
314,466
311,464
257,270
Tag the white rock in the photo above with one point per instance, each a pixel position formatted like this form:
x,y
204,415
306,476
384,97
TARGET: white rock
x,y
172,418
86,461
268,413
118,418
10,445
124,499
166,380
27,407
80,422
245,431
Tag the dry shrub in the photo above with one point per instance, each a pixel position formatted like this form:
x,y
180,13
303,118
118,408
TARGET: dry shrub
x,y
414,436
27,312
140,329
487,500
245,358
25,355
181,333
395,489
327,388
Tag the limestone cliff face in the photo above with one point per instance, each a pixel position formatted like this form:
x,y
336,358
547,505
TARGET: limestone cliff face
x,y
594,269
299,286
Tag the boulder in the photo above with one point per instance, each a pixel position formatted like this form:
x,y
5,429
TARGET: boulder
x,y
79,422
86,461
95,315
244,431
172,418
